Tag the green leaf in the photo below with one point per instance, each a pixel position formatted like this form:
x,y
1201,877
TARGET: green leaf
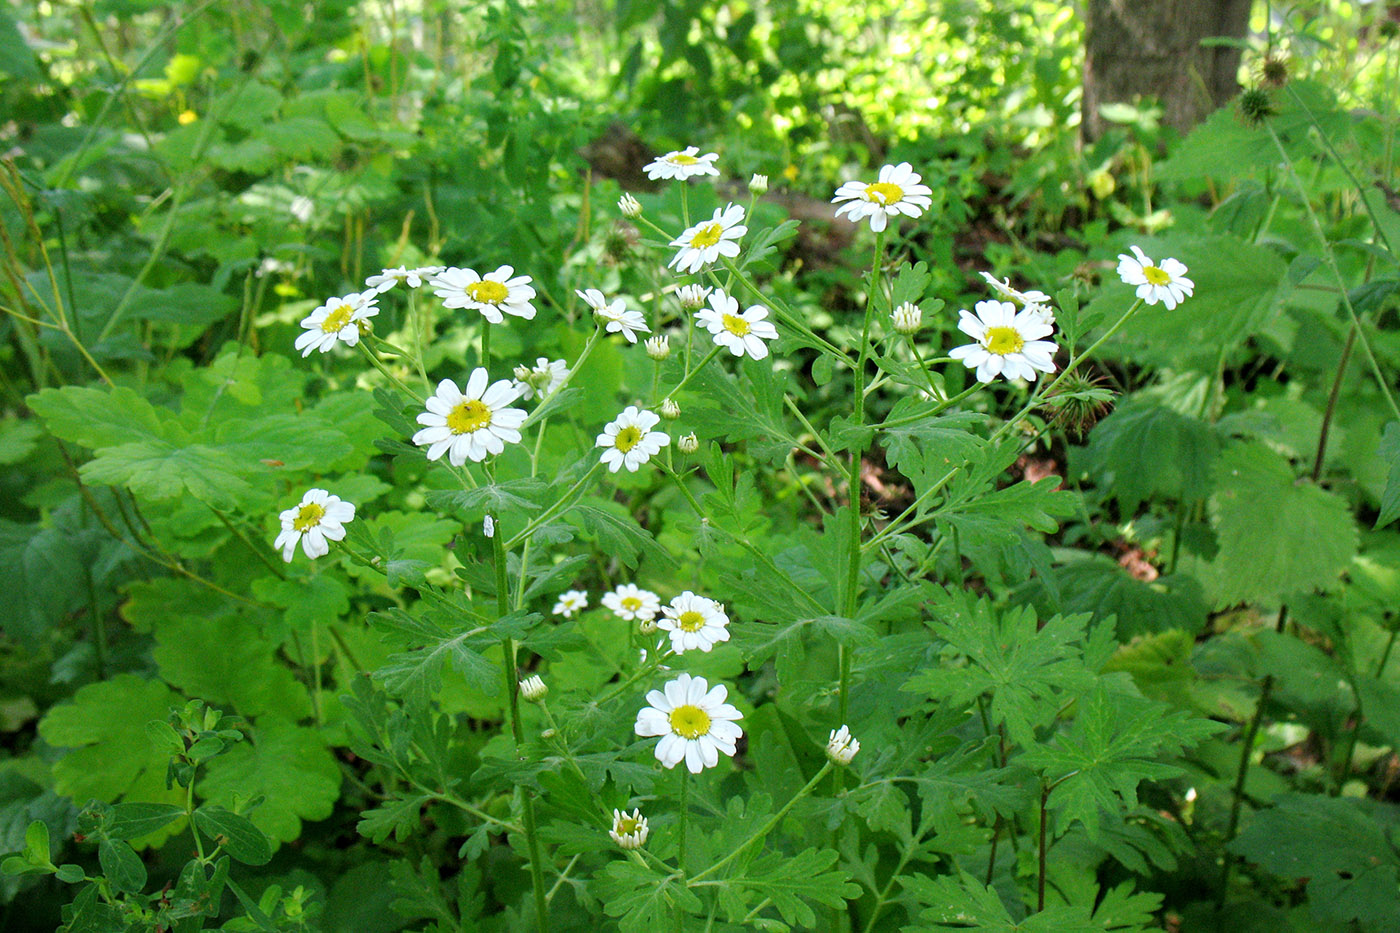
x,y
1261,517
962,902
1390,454
289,766
243,841
515,496
110,755
18,439
1099,586
1027,668
133,820
121,865
417,674
43,576
926,450
16,58
160,470
619,535
97,418
789,881
1345,848
1097,764
1145,449
228,660
643,900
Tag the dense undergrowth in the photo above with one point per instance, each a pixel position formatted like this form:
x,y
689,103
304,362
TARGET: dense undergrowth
x,y
1113,647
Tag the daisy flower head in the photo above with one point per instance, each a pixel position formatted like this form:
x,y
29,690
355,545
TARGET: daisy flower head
x,y
694,722
741,333
630,441
895,191
629,832
542,379
1003,288
337,321
614,316
630,603
1007,344
490,294
841,747
710,239
695,622
682,164
692,296
571,602
1166,283
381,282
320,517
471,423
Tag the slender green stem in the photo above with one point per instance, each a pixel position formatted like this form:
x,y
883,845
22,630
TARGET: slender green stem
x,y
766,828
690,375
378,364
562,504
418,324
1332,403
1040,874
485,344
1330,258
684,832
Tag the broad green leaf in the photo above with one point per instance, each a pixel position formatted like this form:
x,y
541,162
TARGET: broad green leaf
x,y
289,766
121,865
1345,847
1144,450
1101,587
619,535
16,58
243,841
1114,745
642,900
97,418
1277,536
134,820
417,673
44,578
228,660
17,440
109,755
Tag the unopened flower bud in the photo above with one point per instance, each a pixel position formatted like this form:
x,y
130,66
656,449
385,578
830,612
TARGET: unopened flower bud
x,y
658,347
841,747
548,734
758,184
692,297
629,832
629,206
488,527
647,626
533,688
670,410
908,318
688,444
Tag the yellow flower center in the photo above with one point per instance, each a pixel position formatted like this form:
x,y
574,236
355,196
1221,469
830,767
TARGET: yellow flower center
x,y
690,722
337,319
1004,340
707,235
1155,276
487,292
626,826
735,324
628,438
882,192
691,621
680,158
308,516
469,415
631,603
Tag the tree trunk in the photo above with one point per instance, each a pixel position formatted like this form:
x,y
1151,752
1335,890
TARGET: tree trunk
x,y
1151,48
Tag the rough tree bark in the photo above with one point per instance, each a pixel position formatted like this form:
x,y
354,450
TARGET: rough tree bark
x,y
1151,48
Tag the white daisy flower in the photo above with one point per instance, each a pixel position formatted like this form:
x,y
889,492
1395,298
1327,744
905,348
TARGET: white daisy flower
x,y
337,321
739,333
683,164
414,278
692,296
896,191
1166,283
630,440
695,622
320,517
470,424
629,832
614,317
570,602
541,379
631,603
1007,342
708,240
841,747
694,722
491,294
533,688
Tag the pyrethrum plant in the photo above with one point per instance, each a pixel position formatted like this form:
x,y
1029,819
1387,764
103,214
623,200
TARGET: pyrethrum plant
x,y
631,597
